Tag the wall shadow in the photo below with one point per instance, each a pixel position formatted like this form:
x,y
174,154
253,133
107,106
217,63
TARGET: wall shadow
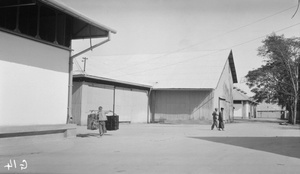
x,y
90,135
287,127
87,135
287,146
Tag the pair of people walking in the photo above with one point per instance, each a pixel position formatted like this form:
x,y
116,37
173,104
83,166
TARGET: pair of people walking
x,y
218,117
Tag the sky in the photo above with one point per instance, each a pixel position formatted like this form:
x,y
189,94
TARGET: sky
x,y
164,27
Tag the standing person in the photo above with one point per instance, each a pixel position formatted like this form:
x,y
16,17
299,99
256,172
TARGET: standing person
x,y
102,118
221,119
215,120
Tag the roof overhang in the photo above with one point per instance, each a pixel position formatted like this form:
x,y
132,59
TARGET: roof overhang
x,y
183,89
232,67
107,81
239,95
82,26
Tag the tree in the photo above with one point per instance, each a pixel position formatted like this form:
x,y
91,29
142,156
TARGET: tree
x,y
278,80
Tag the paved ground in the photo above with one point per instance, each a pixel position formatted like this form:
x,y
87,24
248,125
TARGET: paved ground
x,y
244,147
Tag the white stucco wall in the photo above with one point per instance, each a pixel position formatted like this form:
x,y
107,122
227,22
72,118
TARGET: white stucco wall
x,y
238,110
132,105
34,82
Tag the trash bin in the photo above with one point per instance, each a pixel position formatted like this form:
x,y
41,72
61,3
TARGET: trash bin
x,y
92,119
112,122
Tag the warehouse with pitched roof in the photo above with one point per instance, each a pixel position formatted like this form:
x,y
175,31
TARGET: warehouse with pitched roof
x,y
195,89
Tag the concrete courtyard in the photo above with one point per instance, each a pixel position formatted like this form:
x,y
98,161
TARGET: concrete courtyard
x,y
256,146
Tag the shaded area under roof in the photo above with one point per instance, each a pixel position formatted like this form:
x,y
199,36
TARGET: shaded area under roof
x,y
232,67
82,26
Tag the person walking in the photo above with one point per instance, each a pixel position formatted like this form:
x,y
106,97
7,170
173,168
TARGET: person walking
x,y
221,119
215,119
102,118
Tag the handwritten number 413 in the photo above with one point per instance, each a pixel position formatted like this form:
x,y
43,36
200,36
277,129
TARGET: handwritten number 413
x,y
13,164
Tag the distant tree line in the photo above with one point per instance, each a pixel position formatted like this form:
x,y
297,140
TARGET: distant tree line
x,y
278,80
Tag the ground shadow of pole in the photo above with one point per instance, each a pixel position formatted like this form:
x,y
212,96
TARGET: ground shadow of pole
x,y
287,146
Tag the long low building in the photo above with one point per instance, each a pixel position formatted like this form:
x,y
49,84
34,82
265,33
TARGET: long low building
x,y
128,100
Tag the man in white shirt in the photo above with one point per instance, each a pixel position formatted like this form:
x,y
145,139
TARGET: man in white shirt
x,y
102,118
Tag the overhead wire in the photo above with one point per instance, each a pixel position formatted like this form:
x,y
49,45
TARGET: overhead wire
x,y
210,53
202,42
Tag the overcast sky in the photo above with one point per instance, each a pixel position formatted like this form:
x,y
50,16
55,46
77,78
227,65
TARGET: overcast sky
x,y
170,26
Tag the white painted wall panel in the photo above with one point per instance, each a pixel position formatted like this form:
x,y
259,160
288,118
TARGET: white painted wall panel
x,y
238,110
131,105
247,110
34,82
93,96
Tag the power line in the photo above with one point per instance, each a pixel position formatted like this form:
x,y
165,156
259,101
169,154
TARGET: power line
x,y
210,53
265,35
202,42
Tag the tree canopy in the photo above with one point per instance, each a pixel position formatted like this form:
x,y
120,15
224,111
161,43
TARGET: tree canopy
x,y
278,80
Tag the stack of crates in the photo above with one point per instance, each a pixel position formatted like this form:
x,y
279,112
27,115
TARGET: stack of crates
x,y
91,121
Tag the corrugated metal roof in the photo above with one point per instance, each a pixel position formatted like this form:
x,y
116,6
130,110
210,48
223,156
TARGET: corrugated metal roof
x,y
183,70
238,94
202,71
113,81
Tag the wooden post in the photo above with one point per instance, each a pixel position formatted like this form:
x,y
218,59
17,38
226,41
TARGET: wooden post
x,y
114,100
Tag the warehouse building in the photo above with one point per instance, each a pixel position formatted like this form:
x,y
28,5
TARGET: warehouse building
x,y
208,85
36,64
244,106
126,99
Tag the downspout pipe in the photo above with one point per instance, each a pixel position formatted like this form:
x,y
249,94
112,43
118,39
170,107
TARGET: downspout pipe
x,y
70,117
149,114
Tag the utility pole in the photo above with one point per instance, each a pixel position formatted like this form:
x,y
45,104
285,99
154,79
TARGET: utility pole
x,y
84,61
